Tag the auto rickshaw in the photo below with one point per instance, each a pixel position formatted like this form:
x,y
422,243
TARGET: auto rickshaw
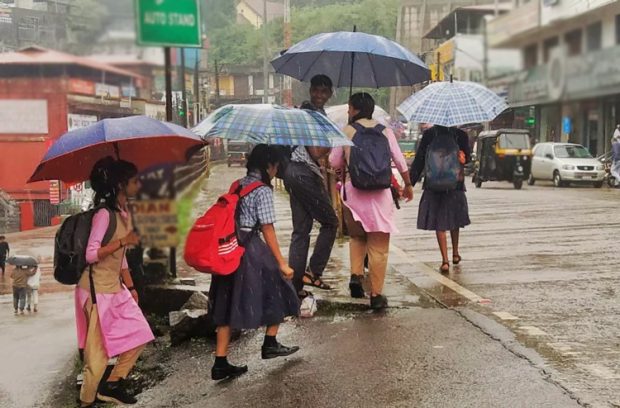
x,y
503,155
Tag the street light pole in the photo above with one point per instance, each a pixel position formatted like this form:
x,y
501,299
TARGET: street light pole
x,y
265,54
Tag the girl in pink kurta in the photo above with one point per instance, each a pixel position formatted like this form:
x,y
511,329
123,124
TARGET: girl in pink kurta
x,y
109,320
369,215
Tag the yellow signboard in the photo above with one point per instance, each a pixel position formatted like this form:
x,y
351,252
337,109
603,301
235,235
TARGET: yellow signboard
x,y
156,221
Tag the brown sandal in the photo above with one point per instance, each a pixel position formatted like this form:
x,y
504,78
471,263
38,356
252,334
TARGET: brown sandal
x,y
315,281
447,270
456,260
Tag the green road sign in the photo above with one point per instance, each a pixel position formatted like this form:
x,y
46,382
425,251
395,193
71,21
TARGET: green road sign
x,y
174,23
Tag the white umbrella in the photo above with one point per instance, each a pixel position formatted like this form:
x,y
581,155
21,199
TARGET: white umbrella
x,y
339,114
452,104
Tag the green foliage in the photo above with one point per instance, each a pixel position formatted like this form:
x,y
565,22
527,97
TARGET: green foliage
x,y
233,43
218,14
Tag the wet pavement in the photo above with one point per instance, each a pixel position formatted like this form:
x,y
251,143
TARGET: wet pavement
x,y
524,256
531,319
543,263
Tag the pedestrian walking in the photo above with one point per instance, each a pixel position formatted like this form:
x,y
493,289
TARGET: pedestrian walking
x,y
4,252
259,293
369,209
310,201
20,275
616,134
445,208
109,320
615,160
32,293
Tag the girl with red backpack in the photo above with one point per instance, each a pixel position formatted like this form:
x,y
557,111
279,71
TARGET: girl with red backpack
x,y
260,292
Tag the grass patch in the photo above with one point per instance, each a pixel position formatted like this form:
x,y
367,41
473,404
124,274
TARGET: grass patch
x,y
185,204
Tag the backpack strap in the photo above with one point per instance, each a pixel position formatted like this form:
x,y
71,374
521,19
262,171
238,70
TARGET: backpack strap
x,y
234,187
379,128
251,187
109,233
357,126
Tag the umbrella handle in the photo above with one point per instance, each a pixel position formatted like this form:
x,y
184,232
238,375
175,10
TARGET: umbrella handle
x,y
352,65
116,151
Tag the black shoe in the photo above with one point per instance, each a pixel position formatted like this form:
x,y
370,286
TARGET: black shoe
x,y
230,371
378,302
115,392
356,288
278,351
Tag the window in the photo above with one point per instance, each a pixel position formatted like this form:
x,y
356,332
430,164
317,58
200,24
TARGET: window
x,y
549,45
514,141
594,35
572,152
530,56
573,42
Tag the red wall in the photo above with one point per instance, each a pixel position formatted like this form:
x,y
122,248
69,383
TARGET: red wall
x,y
19,159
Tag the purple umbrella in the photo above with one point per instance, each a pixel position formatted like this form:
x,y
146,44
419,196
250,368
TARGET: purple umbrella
x,y
141,140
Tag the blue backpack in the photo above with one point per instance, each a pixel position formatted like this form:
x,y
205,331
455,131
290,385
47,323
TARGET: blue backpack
x,y
443,171
370,161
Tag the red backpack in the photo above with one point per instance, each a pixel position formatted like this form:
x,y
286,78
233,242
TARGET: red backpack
x,y
211,245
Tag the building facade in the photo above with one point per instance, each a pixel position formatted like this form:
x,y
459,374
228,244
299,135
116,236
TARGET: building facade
x,y
569,89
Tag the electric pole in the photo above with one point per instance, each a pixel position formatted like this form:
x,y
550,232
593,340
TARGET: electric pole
x,y
287,99
265,54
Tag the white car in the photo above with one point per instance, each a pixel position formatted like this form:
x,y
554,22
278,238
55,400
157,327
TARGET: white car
x,y
565,163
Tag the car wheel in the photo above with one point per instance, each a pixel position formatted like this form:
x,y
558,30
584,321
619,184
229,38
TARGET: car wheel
x,y
518,183
531,180
611,181
557,179
598,184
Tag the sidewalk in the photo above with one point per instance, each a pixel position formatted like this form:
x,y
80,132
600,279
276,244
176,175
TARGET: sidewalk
x,y
416,354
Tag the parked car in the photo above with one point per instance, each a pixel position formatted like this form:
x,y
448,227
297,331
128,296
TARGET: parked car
x,y
565,163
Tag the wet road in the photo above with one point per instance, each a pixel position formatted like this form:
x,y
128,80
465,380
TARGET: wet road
x,y
537,278
543,262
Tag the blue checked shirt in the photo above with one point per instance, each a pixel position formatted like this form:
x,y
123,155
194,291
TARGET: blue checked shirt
x,y
257,208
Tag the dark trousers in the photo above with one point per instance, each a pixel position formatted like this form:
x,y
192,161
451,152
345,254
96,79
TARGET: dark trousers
x,y
2,265
19,298
309,202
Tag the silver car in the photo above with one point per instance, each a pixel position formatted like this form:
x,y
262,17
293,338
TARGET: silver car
x,y
565,163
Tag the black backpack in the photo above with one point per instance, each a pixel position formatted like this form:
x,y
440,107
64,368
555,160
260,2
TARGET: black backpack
x,y
370,161
70,245
442,169
285,152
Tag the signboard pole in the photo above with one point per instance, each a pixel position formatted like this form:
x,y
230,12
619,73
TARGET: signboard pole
x,y
168,78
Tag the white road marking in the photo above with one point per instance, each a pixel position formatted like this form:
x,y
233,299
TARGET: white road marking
x,y
532,331
505,316
601,371
406,258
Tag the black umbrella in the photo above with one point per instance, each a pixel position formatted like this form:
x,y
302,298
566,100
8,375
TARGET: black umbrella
x,y
22,261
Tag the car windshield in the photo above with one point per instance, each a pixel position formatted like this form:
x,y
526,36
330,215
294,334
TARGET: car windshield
x,y
514,141
571,152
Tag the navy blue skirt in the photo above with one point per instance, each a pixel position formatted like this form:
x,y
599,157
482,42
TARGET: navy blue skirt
x,y
256,294
444,211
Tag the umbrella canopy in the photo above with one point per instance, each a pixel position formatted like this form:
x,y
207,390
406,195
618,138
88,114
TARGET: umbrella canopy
x,y
141,140
453,104
353,59
339,114
20,260
272,124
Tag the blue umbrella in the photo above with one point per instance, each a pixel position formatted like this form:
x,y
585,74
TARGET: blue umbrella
x,y
272,124
353,59
141,140
452,104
